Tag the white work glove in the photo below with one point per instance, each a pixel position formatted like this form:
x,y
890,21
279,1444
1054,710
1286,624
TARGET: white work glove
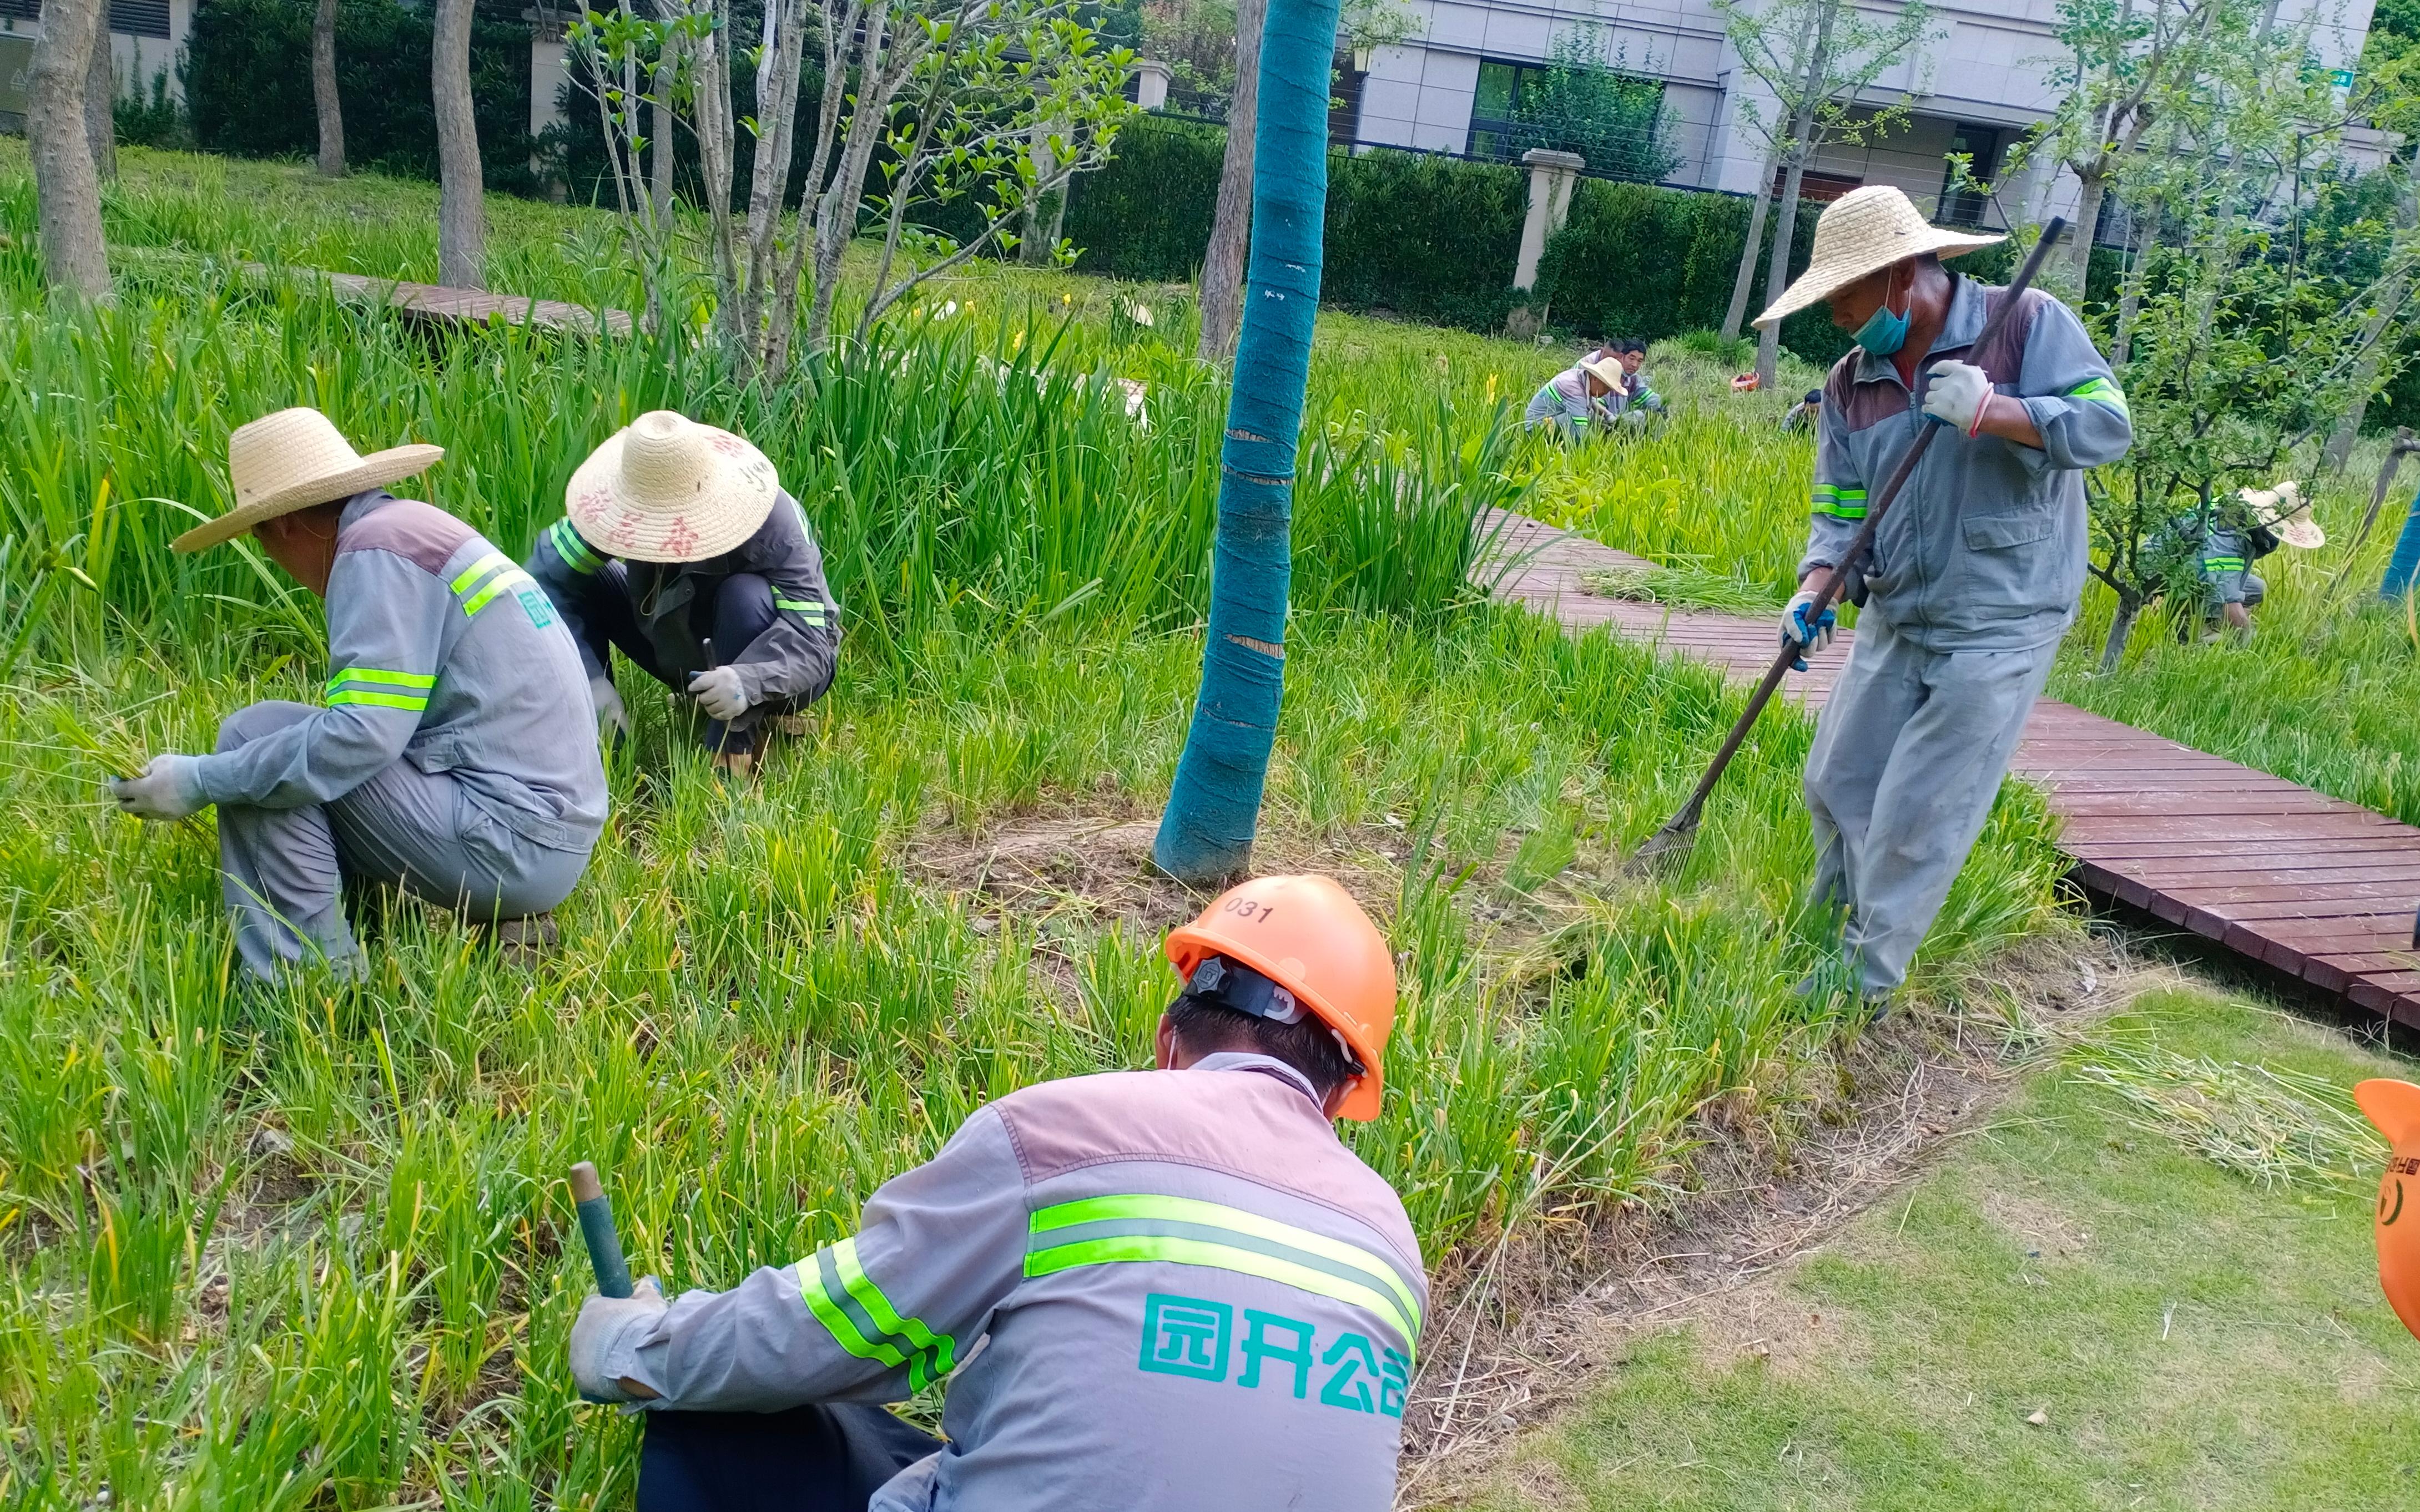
x,y
718,692
1958,395
604,1323
169,788
611,717
1797,631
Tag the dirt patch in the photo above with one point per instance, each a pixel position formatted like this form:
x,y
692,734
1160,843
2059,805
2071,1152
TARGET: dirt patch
x,y
1522,1332
2047,1234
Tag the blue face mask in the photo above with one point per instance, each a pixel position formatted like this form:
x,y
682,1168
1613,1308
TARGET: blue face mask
x,y
1883,333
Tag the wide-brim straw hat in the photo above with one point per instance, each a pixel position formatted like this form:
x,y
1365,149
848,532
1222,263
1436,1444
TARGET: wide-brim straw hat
x,y
1863,232
2285,512
1606,370
292,460
665,488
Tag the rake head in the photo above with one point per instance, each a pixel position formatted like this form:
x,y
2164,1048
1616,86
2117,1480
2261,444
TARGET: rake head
x,y
1667,851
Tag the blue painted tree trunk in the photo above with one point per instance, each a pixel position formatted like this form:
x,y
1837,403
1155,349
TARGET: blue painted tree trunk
x,y
2405,564
1207,834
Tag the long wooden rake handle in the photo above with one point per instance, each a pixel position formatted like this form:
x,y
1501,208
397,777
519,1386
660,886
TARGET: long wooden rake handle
x,y
1679,826
596,1226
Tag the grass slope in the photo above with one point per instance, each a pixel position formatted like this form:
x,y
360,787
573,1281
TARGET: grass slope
x,y
2191,1340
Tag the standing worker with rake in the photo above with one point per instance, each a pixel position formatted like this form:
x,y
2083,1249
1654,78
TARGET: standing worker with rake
x,y
1173,1289
1973,575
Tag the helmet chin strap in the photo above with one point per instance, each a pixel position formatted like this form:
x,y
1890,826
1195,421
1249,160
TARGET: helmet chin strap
x,y
1231,984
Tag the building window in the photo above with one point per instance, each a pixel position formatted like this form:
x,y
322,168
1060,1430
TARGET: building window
x,y
129,18
1495,129
1815,188
1962,205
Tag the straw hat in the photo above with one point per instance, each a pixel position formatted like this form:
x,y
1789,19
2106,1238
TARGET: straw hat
x,y
665,488
2285,511
1604,370
292,460
1862,232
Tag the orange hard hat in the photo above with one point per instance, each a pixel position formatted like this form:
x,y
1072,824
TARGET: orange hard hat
x,y
2395,1107
1309,936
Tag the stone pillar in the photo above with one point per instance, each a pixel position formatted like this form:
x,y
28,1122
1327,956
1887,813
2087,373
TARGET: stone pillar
x,y
1151,83
1552,176
548,51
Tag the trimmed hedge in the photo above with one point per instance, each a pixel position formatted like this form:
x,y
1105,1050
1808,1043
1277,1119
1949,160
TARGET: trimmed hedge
x,y
247,77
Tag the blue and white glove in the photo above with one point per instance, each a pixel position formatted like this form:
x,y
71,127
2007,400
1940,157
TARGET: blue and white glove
x,y
1958,395
612,717
1797,631
719,694
604,1323
168,789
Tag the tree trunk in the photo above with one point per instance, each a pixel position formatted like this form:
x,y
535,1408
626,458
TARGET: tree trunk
x,y
661,131
1777,273
67,188
462,205
1213,807
2130,295
101,104
1222,261
2122,625
1746,279
2087,218
323,91
2365,378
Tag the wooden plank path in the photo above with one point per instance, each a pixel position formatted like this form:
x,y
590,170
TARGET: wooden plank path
x,y
438,304
2312,886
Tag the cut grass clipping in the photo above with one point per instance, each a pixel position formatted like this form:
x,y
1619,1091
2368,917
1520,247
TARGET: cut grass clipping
x,y
2275,1127
1684,587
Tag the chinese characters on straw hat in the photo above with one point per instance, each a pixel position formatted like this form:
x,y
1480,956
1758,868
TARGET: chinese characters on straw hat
x,y
2284,510
292,460
665,488
1865,231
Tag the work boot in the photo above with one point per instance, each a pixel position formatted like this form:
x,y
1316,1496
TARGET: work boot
x,y
525,941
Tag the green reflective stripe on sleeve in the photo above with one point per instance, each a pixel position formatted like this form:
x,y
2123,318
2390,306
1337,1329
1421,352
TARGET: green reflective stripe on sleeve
x,y
479,569
1839,502
2101,391
818,1297
510,578
413,702
799,605
1372,1280
381,675
2222,563
573,547
940,1348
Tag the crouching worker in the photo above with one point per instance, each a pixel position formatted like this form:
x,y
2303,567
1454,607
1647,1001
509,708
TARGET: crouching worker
x,y
453,757
679,547
1578,397
1173,1289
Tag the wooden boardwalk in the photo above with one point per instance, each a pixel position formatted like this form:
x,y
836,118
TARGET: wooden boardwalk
x,y
2312,886
438,304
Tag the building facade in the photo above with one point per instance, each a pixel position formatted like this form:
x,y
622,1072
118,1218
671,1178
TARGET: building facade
x,y
1985,75
145,37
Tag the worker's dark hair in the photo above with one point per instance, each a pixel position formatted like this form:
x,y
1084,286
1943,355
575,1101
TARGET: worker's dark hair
x,y
1813,396
1307,1044
1634,343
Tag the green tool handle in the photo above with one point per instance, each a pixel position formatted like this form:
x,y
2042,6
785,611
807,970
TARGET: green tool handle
x,y
596,1227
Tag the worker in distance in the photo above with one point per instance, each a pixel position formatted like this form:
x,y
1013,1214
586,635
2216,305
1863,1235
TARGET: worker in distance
x,y
1975,572
1173,1289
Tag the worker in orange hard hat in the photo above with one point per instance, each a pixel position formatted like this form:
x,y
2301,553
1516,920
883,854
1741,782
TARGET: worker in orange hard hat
x,y
2395,1107
1174,1288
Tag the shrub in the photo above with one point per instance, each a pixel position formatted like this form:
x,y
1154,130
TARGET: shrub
x,y
247,81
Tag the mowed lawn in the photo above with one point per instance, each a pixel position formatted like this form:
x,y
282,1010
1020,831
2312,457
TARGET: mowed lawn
x,y
2188,1339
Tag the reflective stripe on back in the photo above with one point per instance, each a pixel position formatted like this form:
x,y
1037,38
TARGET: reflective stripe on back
x,y
1108,1230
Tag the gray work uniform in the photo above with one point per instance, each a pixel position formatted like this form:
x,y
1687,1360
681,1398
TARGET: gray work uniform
x,y
1564,401
2226,573
1973,579
1167,1289
455,755
670,608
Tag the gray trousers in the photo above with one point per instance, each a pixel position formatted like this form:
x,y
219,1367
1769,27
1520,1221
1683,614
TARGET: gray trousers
x,y
1908,756
406,828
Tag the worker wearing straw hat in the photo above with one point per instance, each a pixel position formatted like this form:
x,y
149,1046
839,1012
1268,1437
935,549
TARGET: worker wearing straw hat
x,y
679,546
452,756
1975,570
1576,398
2234,538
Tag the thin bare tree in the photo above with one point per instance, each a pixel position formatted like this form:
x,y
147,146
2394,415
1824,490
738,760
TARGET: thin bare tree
x,y
1222,262
330,105
461,203
67,187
